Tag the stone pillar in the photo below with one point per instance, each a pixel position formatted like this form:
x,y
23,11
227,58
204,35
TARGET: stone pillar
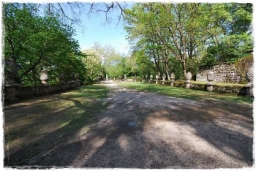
x,y
151,78
62,78
210,79
73,85
172,79
78,82
44,76
188,78
72,76
163,79
143,78
156,79
10,93
249,86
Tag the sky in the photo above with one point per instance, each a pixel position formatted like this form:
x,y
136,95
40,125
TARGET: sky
x,y
95,29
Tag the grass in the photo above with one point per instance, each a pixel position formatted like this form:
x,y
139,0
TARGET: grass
x,y
35,126
185,93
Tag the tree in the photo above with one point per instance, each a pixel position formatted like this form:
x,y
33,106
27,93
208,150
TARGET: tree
x,y
93,65
236,39
33,42
185,32
31,33
113,63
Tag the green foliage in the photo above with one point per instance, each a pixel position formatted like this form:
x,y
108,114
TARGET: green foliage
x,y
192,66
163,31
141,64
236,38
211,57
34,42
193,34
229,49
93,65
241,18
176,67
113,63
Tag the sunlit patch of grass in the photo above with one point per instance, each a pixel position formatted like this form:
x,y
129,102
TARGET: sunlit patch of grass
x,y
49,122
186,93
64,124
90,91
83,131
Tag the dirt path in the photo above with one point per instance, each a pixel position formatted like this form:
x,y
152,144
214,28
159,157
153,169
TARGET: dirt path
x,y
147,130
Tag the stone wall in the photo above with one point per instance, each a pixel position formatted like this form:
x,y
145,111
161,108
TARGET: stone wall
x,y
232,89
224,73
14,93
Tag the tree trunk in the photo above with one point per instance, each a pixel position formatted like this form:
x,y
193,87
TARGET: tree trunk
x,y
184,67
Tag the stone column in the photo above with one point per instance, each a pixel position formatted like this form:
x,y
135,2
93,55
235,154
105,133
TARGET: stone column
x,y
163,79
44,76
172,79
210,79
10,93
156,79
249,86
62,78
72,76
151,78
188,78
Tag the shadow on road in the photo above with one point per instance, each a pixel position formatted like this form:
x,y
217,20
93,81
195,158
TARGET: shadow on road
x,y
144,130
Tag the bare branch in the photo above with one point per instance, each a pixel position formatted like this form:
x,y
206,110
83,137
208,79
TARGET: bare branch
x,y
91,8
121,16
63,12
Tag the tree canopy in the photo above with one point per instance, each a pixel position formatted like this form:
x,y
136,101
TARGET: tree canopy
x,y
165,37
112,62
33,42
38,36
163,34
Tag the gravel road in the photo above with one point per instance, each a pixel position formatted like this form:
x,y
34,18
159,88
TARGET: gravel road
x,y
148,130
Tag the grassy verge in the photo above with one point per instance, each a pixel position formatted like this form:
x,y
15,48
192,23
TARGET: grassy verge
x,y
220,84
185,93
34,127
